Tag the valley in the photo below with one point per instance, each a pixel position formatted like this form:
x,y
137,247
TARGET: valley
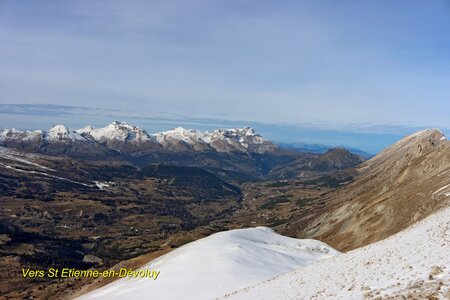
x,y
144,195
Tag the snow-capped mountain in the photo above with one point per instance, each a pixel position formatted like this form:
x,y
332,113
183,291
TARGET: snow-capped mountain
x,y
122,137
130,139
55,134
219,264
62,133
242,139
181,139
117,131
8,135
58,140
220,140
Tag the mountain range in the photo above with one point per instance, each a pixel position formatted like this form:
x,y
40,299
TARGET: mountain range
x,y
129,139
238,154
118,196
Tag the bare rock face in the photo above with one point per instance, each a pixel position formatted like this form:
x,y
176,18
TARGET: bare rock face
x,y
401,185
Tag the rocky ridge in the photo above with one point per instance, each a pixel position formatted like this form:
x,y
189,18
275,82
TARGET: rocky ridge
x,y
123,137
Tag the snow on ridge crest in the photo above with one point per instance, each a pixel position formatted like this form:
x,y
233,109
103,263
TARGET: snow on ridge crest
x,y
61,132
190,136
5,133
119,131
221,140
56,133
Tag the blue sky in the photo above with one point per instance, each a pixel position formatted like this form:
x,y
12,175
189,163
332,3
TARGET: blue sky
x,y
358,73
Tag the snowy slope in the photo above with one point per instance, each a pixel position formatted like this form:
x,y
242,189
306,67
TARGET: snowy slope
x,y
12,155
219,264
415,261
26,163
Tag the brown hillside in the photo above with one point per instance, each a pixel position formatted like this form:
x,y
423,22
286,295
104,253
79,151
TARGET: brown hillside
x,y
403,184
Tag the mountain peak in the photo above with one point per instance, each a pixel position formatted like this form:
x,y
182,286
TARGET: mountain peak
x,y
85,129
423,139
433,133
122,124
339,150
59,129
5,133
247,130
117,131
182,130
188,136
244,131
420,144
61,132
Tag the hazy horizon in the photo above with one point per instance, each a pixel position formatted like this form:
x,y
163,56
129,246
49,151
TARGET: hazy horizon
x,y
359,74
370,138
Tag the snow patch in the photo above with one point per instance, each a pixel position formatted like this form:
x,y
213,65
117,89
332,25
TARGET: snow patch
x,y
44,174
441,189
103,185
11,155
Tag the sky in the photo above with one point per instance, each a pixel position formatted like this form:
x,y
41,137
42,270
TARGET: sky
x,y
356,73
